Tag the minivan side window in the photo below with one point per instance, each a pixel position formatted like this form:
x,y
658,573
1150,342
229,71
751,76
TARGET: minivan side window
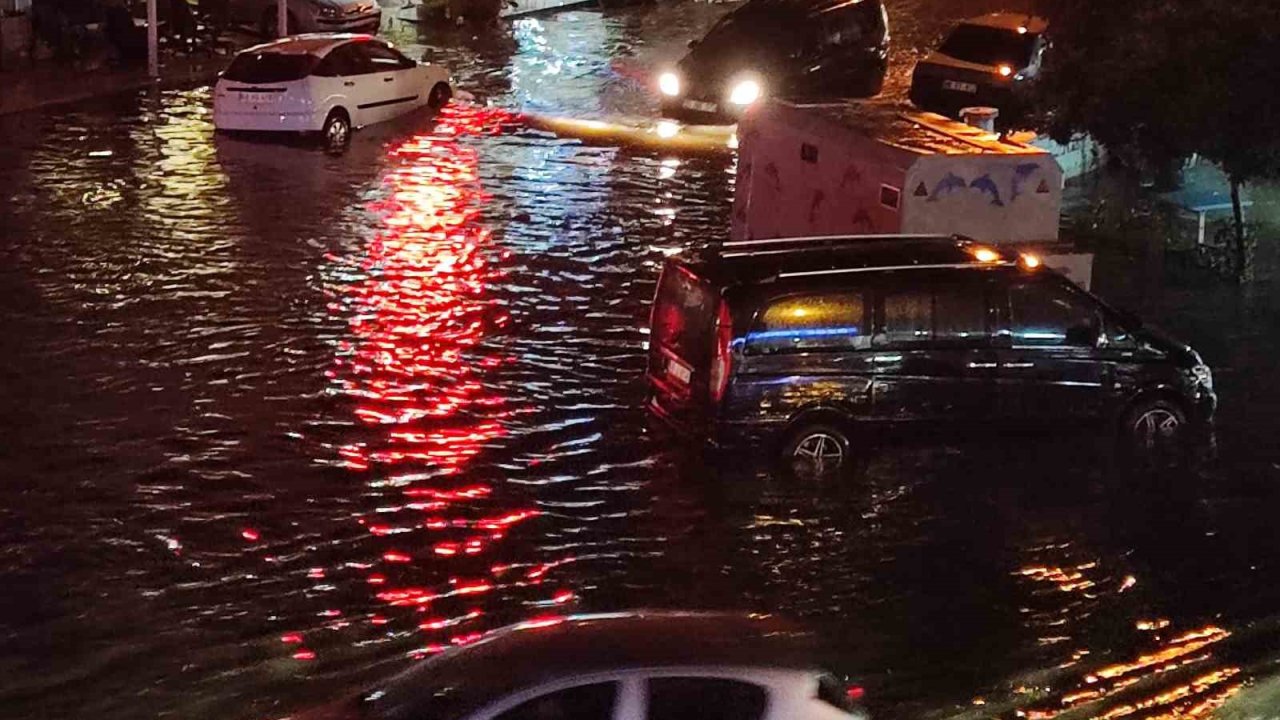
x,y
801,323
1047,314
951,313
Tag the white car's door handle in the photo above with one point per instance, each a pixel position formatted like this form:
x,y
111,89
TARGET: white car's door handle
x,y
387,79
349,83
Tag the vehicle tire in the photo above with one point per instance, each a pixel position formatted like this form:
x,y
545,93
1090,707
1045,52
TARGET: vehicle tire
x,y
440,95
818,451
336,132
1154,435
871,85
267,24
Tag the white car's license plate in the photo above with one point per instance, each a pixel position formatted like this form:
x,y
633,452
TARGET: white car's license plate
x,y
960,86
699,106
679,371
259,98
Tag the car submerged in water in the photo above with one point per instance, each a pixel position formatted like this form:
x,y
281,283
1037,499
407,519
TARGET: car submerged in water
x,y
619,666
821,49
324,83
985,61
818,347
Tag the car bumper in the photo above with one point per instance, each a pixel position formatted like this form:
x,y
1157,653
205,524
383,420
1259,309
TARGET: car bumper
x,y
265,121
930,95
695,111
746,438
369,22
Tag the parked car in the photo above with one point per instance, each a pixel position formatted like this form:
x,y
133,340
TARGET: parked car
x,y
816,346
983,62
779,48
327,83
307,16
622,666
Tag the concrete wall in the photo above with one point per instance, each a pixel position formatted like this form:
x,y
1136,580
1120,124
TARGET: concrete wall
x,y
996,198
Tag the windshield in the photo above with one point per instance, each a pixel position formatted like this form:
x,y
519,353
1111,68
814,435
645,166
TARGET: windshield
x,y
989,46
767,23
269,67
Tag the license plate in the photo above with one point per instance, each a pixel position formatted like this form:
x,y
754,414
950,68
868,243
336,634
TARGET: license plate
x,y
679,371
960,86
258,98
699,106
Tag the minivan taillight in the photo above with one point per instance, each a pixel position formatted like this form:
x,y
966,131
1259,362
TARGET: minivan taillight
x,y
722,359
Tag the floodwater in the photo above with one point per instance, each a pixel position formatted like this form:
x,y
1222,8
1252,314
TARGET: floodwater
x,y
277,422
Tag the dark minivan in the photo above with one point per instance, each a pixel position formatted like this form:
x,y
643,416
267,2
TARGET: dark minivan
x,y
779,48
812,345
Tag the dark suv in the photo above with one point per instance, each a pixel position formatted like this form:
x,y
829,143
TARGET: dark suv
x,y
779,48
811,345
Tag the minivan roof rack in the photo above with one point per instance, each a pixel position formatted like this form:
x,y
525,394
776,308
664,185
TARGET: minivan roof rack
x,y
772,246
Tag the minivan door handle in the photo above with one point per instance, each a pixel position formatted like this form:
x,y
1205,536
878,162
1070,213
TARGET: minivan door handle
x,y
349,83
1019,365
983,365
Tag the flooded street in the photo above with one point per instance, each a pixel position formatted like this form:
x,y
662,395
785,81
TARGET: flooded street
x,y
278,422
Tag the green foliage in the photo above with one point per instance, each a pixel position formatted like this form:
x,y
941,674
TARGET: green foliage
x,y
1158,80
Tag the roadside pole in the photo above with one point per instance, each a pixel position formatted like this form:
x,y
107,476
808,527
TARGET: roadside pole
x,y
153,40
282,18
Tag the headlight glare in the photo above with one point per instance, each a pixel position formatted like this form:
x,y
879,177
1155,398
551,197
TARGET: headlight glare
x,y
745,92
669,84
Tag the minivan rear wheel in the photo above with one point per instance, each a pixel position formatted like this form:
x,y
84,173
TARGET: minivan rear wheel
x,y
1153,434
819,450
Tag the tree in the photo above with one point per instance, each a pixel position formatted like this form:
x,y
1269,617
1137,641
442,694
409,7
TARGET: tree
x,y
1158,80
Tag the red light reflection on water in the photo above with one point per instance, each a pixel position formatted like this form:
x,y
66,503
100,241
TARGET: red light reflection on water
x,y
415,366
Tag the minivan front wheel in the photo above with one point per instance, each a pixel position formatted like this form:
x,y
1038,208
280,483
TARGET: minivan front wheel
x,y
1153,434
818,451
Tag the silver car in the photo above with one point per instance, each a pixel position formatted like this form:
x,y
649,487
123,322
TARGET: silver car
x,y
309,16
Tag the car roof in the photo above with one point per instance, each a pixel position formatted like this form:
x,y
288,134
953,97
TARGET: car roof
x,y
756,261
318,44
798,8
1009,21
541,651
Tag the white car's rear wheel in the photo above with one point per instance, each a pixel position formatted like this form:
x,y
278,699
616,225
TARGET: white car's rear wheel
x,y
337,129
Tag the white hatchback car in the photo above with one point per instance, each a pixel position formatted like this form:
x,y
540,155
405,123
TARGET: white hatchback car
x,y
327,83
623,666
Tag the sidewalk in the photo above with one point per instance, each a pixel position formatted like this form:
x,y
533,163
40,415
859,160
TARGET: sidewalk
x,y
53,84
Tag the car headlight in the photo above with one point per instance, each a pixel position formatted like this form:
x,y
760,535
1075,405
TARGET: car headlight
x,y
745,92
669,84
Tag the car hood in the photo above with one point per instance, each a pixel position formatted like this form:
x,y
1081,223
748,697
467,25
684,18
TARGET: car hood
x,y
1174,349
705,66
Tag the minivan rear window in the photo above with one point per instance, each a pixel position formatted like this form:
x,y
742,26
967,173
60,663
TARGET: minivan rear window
x,y
269,67
683,314
831,321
